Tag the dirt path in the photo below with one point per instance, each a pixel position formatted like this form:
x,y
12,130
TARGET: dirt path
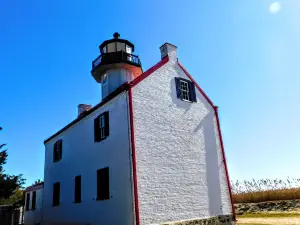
x,y
265,221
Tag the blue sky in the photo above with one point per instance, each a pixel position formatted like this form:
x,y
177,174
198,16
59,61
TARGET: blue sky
x,y
242,55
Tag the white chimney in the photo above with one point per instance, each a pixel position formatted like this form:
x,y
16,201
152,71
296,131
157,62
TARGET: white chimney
x,y
170,50
82,108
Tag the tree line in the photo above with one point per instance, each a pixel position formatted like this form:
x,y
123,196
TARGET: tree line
x,y
11,186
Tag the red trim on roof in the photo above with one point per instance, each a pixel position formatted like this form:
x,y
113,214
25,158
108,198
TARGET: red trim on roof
x,y
35,187
134,172
149,71
198,87
220,134
86,113
112,95
225,164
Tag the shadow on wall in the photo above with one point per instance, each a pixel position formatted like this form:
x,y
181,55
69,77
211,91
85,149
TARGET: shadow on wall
x,y
179,103
212,165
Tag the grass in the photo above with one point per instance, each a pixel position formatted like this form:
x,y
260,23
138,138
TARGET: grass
x,y
262,190
269,215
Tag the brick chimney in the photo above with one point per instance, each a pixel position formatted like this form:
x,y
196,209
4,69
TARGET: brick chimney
x,y
170,50
82,108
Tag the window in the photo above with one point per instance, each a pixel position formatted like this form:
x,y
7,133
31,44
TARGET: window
x,y
33,202
101,127
27,201
57,151
185,90
184,87
103,184
77,196
104,79
128,49
56,194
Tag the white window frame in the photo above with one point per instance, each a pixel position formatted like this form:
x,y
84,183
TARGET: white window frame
x,y
185,93
102,126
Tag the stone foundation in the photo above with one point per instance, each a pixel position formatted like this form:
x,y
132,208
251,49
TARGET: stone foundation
x,y
218,220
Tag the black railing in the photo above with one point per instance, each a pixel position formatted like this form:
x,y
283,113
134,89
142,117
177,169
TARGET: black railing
x,y
116,57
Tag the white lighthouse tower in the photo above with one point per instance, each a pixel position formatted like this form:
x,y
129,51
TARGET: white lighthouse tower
x,y
116,64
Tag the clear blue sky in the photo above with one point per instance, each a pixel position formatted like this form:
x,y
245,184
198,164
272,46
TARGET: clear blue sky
x,y
244,57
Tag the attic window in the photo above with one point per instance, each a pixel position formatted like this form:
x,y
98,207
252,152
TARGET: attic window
x,y
185,89
57,151
101,127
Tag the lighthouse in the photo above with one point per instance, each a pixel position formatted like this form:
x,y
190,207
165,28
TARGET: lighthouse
x,y
116,64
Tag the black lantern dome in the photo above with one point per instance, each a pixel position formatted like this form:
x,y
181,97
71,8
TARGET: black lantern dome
x,y
116,44
116,53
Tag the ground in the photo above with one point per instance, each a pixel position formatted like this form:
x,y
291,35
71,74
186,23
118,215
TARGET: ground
x,y
265,213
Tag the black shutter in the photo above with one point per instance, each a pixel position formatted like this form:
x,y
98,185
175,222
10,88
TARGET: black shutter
x,y
60,149
193,96
27,201
33,203
103,184
106,122
55,152
77,189
178,89
97,129
56,194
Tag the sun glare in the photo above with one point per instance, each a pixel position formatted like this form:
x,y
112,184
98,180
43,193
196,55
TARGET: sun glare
x,y
275,7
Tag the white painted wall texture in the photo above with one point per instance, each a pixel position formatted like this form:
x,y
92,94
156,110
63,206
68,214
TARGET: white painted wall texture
x,y
82,156
180,169
32,217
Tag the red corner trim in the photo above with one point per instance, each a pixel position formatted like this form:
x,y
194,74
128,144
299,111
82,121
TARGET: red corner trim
x,y
149,71
198,87
135,186
225,164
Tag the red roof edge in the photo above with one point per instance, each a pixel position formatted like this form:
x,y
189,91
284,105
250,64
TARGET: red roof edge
x,y
225,163
35,187
119,90
149,71
113,94
197,85
220,135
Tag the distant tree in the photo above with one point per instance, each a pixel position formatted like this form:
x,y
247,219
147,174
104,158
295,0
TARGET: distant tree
x,y
37,182
9,184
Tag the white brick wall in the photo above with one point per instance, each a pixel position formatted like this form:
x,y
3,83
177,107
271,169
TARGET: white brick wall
x,y
32,217
82,156
179,164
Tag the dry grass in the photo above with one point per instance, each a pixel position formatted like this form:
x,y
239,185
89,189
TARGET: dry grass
x,y
265,190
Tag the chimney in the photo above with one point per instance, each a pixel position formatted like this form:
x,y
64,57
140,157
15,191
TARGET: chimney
x,y
170,50
82,108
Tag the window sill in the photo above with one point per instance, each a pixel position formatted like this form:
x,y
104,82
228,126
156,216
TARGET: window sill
x,y
187,100
77,202
98,199
100,140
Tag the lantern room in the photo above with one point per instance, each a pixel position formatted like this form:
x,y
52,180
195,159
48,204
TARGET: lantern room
x,y
116,64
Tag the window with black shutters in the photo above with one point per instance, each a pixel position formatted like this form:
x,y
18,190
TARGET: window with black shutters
x,y
27,201
185,89
57,151
77,197
101,127
103,184
56,194
33,202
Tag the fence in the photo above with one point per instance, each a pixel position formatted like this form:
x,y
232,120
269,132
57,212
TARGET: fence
x,y
10,215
